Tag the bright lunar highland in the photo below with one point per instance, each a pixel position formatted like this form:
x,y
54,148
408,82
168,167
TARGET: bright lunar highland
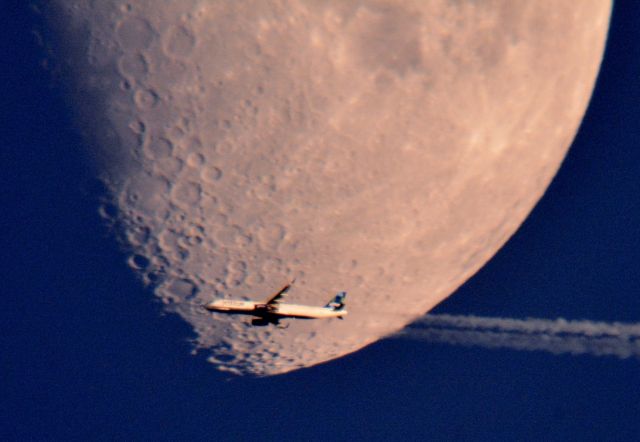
x,y
384,148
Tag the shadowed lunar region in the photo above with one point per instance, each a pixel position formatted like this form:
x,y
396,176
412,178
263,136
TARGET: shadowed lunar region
x,y
385,148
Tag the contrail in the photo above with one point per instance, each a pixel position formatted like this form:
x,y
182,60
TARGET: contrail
x,y
559,336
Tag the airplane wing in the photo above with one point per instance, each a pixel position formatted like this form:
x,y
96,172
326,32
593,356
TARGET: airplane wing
x,y
276,297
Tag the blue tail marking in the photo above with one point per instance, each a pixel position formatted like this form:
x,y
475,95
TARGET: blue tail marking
x,y
338,302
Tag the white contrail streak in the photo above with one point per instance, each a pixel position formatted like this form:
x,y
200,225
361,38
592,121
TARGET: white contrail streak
x,y
555,336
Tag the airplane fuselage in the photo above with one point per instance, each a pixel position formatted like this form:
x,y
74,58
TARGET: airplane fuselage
x,y
253,308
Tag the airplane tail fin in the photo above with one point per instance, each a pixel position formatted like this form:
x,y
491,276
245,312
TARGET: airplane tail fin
x,y
338,302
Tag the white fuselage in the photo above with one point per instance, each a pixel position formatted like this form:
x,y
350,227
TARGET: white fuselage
x,y
279,310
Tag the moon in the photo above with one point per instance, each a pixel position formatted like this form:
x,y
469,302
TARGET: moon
x,y
385,148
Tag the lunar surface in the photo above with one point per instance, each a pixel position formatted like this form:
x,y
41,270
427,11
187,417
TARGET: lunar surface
x,y
385,148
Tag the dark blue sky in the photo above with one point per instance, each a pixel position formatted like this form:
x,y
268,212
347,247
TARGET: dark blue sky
x,y
87,354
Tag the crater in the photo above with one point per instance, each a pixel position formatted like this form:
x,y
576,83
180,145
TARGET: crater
x,y
195,160
180,42
187,193
145,99
134,66
134,33
211,174
160,148
169,166
138,262
183,288
146,193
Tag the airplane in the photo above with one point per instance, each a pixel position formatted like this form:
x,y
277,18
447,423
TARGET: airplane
x,y
272,310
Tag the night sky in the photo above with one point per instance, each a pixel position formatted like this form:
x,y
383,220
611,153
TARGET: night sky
x,y
86,352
